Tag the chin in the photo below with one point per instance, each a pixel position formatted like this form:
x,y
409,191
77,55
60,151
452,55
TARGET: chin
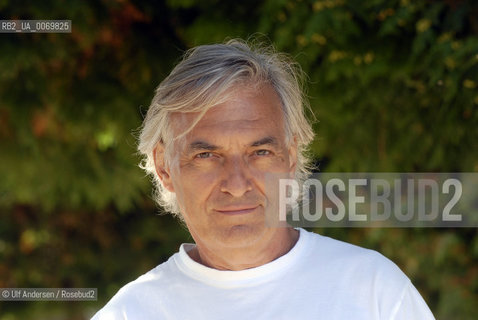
x,y
243,235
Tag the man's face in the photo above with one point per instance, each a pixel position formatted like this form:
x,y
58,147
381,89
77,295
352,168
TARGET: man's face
x,y
218,169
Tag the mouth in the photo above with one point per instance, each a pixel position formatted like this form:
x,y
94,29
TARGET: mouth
x,y
236,210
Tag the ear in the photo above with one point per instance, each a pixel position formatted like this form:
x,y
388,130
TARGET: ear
x,y
293,157
162,171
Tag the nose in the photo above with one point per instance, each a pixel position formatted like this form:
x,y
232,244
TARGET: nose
x,y
237,177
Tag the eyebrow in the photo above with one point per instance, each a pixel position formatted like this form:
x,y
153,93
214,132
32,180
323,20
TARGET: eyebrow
x,y
203,145
265,141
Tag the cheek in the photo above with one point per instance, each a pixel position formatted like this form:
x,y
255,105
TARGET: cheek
x,y
194,188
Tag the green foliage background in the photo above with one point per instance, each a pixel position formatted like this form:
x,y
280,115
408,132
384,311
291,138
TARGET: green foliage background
x,y
393,85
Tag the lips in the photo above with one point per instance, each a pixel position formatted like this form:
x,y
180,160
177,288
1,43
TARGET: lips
x,y
233,210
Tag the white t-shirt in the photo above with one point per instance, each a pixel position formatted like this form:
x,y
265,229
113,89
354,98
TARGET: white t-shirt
x,y
319,278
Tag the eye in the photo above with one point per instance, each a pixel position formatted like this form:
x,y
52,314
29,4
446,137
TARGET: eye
x,y
204,155
262,152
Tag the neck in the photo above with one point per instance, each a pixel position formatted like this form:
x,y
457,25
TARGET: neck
x,y
226,258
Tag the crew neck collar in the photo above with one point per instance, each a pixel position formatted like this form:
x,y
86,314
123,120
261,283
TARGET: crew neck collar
x,y
226,278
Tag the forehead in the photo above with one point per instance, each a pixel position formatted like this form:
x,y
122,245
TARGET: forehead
x,y
248,111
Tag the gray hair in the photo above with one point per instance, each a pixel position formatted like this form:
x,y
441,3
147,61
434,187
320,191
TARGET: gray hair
x,y
202,80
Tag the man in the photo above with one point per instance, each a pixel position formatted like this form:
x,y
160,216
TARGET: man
x,y
225,118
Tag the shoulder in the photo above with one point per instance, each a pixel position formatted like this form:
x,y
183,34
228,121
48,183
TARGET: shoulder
x,y
340,252
139,295
353,263
356,274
